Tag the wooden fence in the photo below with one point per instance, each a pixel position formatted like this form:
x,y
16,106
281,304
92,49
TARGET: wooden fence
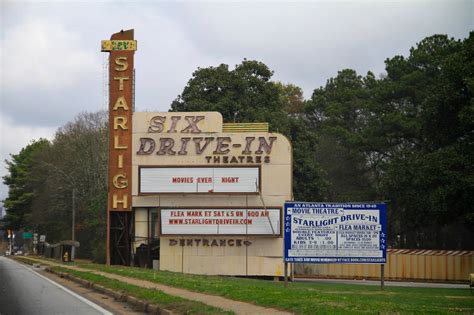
x,y
402,264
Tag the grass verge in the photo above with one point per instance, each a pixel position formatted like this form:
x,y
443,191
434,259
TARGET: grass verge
x,y
173,303
310,298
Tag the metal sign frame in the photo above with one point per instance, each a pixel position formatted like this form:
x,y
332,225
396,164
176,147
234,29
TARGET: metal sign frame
x,y
335,233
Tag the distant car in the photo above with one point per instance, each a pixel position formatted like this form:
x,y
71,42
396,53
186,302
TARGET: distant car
x,y
18,252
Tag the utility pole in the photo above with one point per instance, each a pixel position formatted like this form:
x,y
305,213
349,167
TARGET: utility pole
x,y
73,249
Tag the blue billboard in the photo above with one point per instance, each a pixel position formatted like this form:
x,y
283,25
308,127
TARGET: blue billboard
x,y
325,233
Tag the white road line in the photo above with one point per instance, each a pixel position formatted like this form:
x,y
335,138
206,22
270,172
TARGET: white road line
x,y
82,299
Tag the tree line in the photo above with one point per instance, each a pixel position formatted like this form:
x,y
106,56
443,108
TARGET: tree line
x,y
405,138
43,175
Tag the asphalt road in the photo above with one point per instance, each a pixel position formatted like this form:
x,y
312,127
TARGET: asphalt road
x,y
23,291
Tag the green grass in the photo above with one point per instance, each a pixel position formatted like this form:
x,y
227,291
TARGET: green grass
x,y
41,260
174,303
311,298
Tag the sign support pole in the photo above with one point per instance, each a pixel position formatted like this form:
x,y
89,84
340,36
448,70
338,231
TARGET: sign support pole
x,y
382,280
286,274
292,272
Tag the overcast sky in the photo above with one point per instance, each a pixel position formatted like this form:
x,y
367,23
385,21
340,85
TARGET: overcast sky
x,y
52,69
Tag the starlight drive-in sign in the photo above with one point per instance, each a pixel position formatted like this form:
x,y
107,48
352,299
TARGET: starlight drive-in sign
x,y
220,221
199,180
335,232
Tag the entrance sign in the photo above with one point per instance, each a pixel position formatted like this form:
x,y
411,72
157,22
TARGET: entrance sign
x,y
199,180
335,233
220,221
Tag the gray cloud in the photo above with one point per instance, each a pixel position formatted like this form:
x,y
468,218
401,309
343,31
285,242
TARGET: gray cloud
x,y
306,43
51,64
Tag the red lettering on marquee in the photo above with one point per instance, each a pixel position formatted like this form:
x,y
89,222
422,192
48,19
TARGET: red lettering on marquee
x,y
230,180
182,180
204,180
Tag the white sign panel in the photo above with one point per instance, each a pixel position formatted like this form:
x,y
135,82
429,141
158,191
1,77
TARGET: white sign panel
x,y
220,221
199,180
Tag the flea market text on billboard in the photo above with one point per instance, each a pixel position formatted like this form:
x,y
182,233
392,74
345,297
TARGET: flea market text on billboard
x,y
335,232
221,221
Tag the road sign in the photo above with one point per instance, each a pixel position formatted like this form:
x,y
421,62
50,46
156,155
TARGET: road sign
x,y
27,235
42,238
335,232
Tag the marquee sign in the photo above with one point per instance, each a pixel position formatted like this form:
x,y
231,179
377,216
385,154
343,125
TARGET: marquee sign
x,y
121,48
193,181
120,119
335,233
196,138
221,221
199,180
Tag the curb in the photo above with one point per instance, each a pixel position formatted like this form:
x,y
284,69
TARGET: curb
x,y
141,305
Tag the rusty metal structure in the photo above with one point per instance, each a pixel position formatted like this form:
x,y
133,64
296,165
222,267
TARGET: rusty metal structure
x,y
121,231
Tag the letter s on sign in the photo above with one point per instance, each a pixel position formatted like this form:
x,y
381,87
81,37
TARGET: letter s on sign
x,y
157,124
122,63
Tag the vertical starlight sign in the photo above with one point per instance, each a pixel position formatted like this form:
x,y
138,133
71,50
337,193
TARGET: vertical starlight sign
x,y
335,232
121,47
